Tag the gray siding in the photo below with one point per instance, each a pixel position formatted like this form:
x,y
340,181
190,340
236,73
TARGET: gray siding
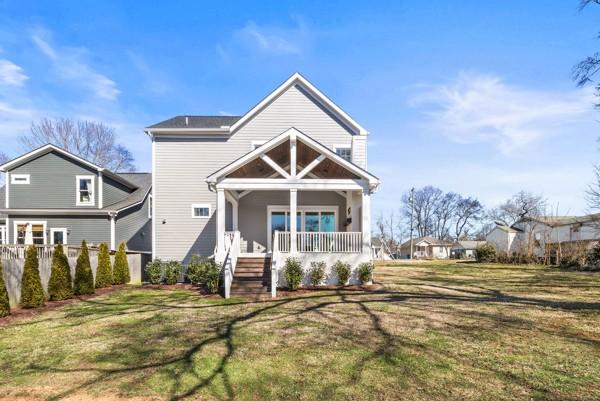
x,y
135,228
181,166
252,212
113,191
52,183
93,229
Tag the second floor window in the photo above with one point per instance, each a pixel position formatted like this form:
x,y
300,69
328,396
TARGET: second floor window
x,y
85,190
344,153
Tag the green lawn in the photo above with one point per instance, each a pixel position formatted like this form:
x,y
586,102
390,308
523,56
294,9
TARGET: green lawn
x,y
434,331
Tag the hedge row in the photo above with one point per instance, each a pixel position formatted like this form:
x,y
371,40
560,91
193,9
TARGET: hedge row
x,y
61,285
294,273
199,272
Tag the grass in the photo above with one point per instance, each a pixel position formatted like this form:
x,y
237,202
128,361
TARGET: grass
x,y
442,331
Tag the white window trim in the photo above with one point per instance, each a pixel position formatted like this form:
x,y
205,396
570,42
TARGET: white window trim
x,y
93,197
302,210
3,235
17,223
15,177
256,144
56,230
151,206
201,205
336,147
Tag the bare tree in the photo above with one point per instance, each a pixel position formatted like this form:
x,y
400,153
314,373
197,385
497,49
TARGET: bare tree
x,y
90,140
592,194
584,71
522,205
444,213
425,201
387,229
468,211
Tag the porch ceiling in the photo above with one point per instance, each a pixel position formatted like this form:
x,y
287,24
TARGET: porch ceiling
x,y
258,168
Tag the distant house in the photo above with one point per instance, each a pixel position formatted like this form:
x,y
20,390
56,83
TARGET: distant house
x,y
52,196
465,249
379,250
426,248
503,237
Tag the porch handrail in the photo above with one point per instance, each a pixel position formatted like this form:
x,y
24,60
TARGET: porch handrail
x,y
232,247
19,251
320,242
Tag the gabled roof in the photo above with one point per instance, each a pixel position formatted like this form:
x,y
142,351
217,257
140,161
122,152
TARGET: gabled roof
x,y
556,221
429,240
230,124
507,229
284,136
48,148
468,244
143,182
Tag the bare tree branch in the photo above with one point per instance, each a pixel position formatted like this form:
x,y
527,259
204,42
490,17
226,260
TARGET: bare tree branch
x,y
90,140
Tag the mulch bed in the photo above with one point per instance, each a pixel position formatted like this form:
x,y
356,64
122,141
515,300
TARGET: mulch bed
x,y
282,292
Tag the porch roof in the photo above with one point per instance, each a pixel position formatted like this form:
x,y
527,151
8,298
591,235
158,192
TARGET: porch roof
x,y
272,161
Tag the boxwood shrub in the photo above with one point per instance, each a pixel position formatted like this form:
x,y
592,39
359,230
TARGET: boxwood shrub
x,y
316,274
342,270
365,271
293,273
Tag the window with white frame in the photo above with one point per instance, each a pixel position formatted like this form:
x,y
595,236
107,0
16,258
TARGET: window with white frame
x,y
19,179
344,152
150,206
58,236
30,232
200,210
85,190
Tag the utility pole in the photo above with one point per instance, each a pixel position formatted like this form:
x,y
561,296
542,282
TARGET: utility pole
x,y
412,207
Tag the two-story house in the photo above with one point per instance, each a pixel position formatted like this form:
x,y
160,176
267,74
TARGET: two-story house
x,y
52,196
228,186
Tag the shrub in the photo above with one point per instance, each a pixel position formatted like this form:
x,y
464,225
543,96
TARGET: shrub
x,y
485,253
293,273
60,285
153,271
196,270
212,275
316,274
172,271
121,267
342,270
32,293
365,270
593,259
104,274
4,303
84,278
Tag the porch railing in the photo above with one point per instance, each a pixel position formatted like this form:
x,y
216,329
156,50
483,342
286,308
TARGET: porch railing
x,y
12,252
232,251
321,242
3,235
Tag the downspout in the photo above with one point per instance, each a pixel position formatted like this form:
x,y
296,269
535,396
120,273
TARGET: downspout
x,y
112,216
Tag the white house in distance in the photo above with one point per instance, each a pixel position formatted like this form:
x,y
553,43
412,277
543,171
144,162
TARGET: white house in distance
x,y
288,178
426,248
465,249
544,232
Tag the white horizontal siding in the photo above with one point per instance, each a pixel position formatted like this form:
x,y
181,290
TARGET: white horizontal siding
x,y
182,165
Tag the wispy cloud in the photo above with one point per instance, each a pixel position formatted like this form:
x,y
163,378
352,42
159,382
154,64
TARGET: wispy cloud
x,y
483,108
70,65
11,74
270,39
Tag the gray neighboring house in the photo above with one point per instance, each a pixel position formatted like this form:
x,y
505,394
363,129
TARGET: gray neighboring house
x,y
52,196
227,185
465,249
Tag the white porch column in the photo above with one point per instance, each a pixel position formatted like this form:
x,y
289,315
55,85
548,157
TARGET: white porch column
x,y
293,220
112,232
220,219
234,215
293,154
366,220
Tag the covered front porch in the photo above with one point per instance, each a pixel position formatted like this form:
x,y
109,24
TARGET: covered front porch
x,y
292,175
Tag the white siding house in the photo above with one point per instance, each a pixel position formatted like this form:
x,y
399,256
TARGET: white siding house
x,y
227,186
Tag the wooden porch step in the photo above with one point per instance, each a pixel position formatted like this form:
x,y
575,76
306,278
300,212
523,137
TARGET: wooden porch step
x,y
251,275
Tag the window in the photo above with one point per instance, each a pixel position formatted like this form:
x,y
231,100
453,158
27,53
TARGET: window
x,y
85,190
308,219
58,236
19,179
200,211
28,233
150,206
344,153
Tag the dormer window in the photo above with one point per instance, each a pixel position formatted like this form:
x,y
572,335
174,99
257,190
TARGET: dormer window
x,y
85,190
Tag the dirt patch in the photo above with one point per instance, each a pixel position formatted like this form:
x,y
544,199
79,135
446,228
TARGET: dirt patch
x,y
21,313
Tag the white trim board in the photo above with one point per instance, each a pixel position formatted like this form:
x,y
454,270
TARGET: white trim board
x,y
20,179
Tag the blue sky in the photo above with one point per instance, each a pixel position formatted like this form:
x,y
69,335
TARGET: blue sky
x,y
470,96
